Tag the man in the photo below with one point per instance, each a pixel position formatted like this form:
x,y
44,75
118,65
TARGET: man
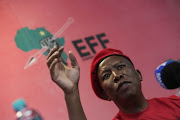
x,y
113,77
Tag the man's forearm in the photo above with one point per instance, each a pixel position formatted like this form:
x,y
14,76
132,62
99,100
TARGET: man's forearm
x,y
75,110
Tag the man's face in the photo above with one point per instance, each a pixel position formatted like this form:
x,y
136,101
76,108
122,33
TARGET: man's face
x,y
118,78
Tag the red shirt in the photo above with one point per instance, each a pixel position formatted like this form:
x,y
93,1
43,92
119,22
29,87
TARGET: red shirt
x,y
158,109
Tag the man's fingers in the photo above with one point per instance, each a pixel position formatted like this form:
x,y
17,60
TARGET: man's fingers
x,y
51,51
61,50
53,55
73,60
55,68
52,66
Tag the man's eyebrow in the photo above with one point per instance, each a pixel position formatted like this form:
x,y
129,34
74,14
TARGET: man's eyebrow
x,y
117,63
104,69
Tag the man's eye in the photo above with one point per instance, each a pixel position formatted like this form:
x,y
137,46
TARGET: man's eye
x,y
106,76
120,67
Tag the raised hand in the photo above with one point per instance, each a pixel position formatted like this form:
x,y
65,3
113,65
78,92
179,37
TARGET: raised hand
x,y
65,77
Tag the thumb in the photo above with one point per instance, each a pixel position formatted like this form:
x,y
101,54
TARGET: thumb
x,y
73,60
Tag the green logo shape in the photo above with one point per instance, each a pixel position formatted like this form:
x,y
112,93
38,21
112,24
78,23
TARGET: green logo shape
x,y
27,39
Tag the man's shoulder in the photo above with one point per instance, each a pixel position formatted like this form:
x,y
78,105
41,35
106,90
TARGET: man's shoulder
x,y
172,97
161,101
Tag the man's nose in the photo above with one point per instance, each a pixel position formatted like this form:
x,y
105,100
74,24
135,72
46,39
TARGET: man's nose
x,y
117,76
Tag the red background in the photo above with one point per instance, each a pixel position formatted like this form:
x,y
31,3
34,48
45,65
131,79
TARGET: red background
x,y
147,31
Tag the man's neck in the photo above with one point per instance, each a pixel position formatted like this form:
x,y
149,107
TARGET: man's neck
x,y
132,105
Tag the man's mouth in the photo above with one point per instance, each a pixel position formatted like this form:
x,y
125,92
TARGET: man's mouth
x,y
124,83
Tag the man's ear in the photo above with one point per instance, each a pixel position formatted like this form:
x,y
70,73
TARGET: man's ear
x,y
139,74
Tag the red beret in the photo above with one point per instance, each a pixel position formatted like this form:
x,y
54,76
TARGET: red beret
x,y
94,65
